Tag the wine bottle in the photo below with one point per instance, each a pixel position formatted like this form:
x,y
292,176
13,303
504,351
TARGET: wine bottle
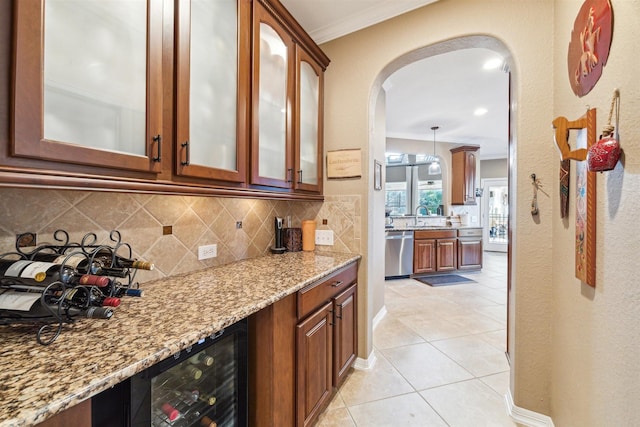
x,y
111,260
76,260
207,398
44,273
35,309
190,396
82,296
201,358
208,422
171,412
186,371
132,292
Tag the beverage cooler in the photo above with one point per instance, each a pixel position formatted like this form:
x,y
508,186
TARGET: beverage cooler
x,y
204,386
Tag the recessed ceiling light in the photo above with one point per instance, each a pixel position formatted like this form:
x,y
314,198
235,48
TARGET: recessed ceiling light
x,y
480,111
492,64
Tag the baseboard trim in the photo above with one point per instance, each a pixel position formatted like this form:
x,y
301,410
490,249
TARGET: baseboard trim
x,y
365,364
524,416
378,317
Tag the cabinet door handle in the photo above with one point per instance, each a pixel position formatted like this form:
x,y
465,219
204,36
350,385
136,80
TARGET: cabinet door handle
x,y
289,174
332,321
300,176
339,316
188,154
158,139
337,283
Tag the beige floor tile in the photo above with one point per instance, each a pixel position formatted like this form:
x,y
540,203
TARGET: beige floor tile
x,y
390,333
469,404
498,339
447,341
438,327
407,410
497,312
475,355
380,382
498,382
338,417
425,367
337,402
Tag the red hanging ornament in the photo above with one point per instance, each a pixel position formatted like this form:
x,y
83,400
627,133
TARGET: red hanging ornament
x,y
605,153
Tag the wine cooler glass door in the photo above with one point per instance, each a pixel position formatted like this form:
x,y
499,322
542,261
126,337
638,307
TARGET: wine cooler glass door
x,y
203,387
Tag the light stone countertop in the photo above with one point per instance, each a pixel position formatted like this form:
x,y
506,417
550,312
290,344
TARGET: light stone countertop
x,y
431,227
92,355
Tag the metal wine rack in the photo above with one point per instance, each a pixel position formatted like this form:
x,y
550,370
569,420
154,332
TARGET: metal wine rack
x,y
53,296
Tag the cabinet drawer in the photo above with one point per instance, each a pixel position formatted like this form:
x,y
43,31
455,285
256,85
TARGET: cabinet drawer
x,y
312,296
470,232
433,234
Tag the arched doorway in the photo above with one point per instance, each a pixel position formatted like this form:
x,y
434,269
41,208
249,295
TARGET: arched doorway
x,y
376,144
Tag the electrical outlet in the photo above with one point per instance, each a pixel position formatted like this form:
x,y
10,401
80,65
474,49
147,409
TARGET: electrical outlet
x,y
207,251
324,237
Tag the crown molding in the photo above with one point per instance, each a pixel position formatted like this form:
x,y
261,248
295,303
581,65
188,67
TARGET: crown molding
x,y
365,18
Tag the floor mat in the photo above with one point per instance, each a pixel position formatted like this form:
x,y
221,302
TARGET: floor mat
x,y
444,280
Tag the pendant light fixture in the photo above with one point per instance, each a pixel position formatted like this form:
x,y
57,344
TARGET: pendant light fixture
x,y
434,167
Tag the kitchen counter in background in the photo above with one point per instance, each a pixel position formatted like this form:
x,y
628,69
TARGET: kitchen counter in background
x,y
92,355
430,227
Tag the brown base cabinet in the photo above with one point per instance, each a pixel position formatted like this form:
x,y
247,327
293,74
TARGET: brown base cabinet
x,y
434,250
469,248
447,250
446,254
300,350
424,256
314,364
78,415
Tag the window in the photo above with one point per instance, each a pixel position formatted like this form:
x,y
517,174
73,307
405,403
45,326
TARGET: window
x,y
396,197
430,194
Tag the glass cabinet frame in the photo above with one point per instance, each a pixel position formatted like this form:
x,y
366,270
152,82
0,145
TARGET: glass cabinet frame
x,y
27,132
184,165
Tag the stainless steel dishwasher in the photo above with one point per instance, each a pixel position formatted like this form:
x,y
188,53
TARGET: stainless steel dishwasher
x,y
398,254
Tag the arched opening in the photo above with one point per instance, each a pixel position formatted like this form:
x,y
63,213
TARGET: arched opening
x,y
377,143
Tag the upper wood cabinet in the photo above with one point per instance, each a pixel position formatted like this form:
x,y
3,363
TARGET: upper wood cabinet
x,y
288,85
212,85
178,97
463,176
87,86
273,92
309,120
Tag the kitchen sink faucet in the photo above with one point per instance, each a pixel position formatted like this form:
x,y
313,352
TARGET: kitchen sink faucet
x,y
426,209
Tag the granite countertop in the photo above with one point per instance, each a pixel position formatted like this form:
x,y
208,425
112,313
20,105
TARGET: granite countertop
x,y
92,355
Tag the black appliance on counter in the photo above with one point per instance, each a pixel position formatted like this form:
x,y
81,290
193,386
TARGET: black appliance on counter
x,y
204,385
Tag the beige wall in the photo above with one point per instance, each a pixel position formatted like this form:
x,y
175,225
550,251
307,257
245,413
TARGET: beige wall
x,y
361,61
573,350
495,168
595,332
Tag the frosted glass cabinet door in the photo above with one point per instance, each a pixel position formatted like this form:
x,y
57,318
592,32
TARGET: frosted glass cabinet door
x,y
271,162
92,85
211,79
309,132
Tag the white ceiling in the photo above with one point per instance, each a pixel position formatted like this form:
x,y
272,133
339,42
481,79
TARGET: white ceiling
x,y
442,90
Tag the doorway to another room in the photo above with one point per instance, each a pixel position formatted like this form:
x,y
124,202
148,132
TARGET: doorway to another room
x,y
495,214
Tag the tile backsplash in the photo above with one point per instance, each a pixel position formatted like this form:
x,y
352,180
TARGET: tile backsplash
x,y
195,221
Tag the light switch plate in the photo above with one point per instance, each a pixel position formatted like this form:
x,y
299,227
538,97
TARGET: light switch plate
x,y
324,237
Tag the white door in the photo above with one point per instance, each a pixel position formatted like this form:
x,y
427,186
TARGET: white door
x,y
495,214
